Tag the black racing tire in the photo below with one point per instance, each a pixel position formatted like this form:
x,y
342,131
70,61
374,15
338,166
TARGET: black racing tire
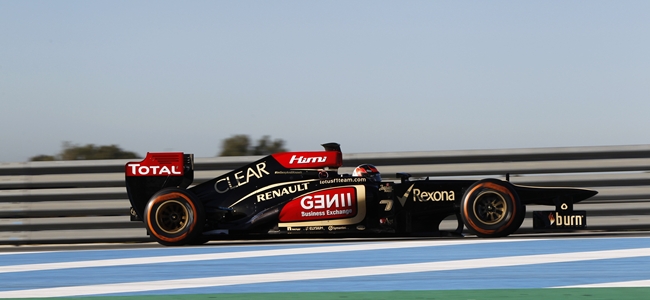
x,y
174,217
492,208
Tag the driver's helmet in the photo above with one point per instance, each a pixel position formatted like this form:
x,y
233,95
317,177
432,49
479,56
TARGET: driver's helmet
x,y
367,170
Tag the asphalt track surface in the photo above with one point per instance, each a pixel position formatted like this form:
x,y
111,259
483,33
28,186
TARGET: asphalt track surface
x,y
569,266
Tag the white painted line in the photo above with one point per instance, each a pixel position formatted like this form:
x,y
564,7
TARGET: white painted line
x,y
244,254
161,285
635,283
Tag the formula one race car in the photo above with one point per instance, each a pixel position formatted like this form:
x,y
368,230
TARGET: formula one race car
x,y
302,193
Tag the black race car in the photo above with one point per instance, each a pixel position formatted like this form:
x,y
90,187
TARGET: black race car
x,y
302,193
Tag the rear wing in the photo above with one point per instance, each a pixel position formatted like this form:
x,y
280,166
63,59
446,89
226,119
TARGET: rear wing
x,y
155,172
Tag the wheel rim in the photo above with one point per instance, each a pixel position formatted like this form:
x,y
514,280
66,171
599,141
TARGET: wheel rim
x,y
172,216
490,207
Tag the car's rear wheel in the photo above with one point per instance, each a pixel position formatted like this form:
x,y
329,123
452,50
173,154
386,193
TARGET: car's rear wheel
x,y
491,208
174,217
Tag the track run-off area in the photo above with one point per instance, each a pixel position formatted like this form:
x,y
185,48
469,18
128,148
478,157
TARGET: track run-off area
x,y
443,268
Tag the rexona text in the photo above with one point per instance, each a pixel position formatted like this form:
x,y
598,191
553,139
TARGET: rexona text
x,y
154,170
283,191
307,160
423,196
240,178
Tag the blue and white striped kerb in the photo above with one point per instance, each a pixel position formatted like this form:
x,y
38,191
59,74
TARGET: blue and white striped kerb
x,y
444,264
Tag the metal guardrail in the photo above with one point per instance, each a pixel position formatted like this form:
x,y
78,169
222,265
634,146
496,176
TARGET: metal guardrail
x,y
86,201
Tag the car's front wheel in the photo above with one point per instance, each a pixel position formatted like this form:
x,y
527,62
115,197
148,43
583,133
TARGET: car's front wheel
x,y
491,208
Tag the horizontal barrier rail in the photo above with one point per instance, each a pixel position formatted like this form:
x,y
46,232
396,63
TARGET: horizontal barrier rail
x,y
86,201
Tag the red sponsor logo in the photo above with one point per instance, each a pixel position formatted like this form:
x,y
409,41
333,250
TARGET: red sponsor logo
x,y
157,164
295,159
309,160
336,203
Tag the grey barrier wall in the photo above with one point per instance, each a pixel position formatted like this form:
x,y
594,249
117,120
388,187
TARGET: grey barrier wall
x,y
86,201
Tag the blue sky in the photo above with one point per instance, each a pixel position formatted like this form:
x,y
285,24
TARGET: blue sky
x,y
375,76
